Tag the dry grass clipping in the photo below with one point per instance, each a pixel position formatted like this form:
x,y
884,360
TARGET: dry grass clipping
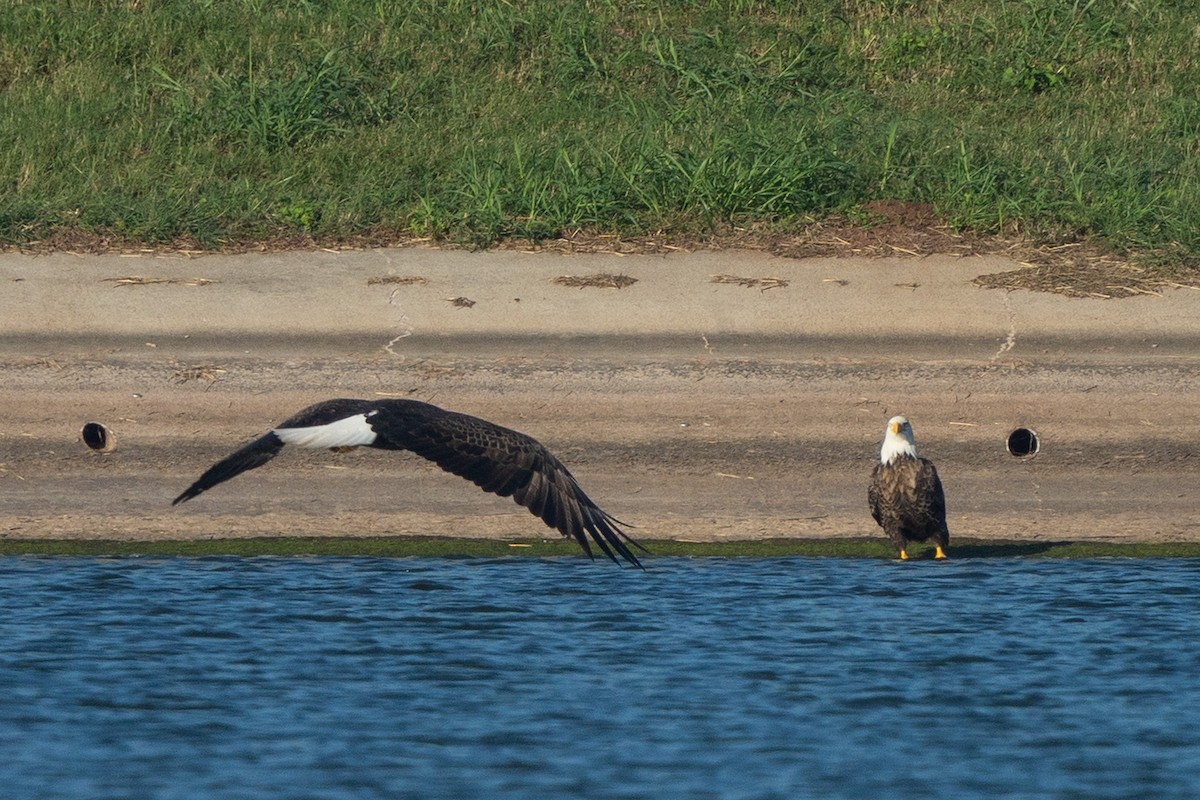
x,y
460,302
600,280
1079,270
139,280
762,284
399,280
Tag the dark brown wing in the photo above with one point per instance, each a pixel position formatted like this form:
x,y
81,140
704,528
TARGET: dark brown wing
x,y
253,455
930,498
908,493
875,494
504,462
265,448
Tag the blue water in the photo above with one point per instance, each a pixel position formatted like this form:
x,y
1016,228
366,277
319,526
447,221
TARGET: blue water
x,y
774,678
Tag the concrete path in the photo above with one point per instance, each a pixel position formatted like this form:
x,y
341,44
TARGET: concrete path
x,y
690,408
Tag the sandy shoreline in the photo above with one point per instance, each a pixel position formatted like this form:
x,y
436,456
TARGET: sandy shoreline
x,y
692,409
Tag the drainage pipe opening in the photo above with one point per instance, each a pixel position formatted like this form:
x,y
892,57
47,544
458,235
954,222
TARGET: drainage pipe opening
x,y
1022,443
98,438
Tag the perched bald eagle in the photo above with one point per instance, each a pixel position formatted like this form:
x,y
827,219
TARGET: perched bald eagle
x,y
495,459
906,494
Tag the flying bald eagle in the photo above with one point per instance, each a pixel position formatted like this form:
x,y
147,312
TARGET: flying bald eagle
x,y
906,494
495,459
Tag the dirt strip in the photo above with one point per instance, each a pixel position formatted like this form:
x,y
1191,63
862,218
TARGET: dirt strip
x,y
705,396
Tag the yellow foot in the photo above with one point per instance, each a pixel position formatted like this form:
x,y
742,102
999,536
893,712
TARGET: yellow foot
x,y
904,555
940,553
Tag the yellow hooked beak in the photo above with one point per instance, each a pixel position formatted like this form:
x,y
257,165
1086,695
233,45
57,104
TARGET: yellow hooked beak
x,y
895,426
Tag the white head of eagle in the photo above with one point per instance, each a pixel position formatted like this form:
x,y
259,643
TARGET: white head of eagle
x,y
898,440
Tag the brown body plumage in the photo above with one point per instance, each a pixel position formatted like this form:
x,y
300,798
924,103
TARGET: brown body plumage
x,y
905,493
494,458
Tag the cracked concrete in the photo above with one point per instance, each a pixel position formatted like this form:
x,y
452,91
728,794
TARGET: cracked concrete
x,y
1010,340
692,409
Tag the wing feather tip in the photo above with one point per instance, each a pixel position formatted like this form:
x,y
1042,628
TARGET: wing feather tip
x,y
609,537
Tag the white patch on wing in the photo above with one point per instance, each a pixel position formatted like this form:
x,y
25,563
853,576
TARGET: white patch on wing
x,y
349,432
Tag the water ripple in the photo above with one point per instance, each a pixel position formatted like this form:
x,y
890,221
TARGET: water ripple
x,y
341,678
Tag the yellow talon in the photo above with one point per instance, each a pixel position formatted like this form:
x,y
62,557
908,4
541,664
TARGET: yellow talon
x,y
940,552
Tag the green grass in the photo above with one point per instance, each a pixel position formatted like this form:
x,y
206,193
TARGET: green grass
x,y
218,121
396,547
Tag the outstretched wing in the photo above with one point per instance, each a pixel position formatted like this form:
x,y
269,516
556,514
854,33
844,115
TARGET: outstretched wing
x,y
333,423
504,462
253,455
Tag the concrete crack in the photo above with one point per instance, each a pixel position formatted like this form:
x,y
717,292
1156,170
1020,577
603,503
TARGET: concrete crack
x,y
1010,341
406,328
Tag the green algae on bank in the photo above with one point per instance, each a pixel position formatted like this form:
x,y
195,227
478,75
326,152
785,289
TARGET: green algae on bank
x,y
430,547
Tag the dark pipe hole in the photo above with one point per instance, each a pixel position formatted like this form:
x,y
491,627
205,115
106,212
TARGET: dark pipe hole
x,y
95,435
1023,443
